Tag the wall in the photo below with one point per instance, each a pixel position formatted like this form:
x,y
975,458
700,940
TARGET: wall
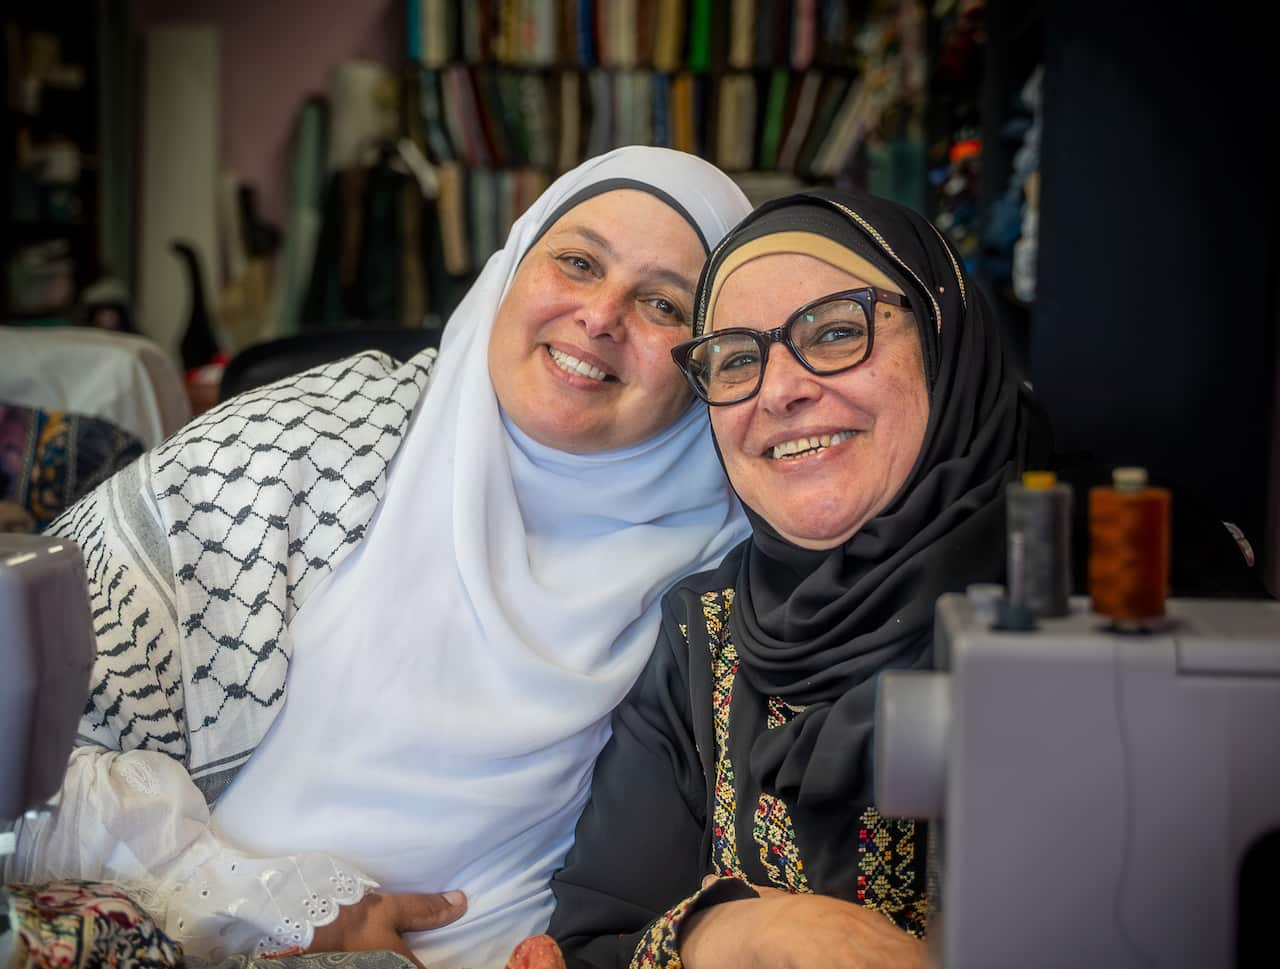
x,y
1272,542
275,54
1153,340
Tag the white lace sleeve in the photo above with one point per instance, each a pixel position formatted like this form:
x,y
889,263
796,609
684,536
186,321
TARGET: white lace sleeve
x,y
136,820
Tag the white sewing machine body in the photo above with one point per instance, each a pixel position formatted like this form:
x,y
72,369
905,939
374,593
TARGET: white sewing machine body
x,y
47,649
1097,792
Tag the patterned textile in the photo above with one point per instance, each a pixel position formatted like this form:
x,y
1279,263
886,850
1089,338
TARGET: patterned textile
x,y
774,833
888,865
772,830
688,736
660,947
49,459
317,960
210,544
85,925
888,878
724,670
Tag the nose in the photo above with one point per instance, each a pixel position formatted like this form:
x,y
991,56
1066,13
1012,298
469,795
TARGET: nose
x,y
787,386
604,313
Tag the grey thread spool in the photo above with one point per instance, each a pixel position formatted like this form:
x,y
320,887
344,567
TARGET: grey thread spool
x,y
1038,514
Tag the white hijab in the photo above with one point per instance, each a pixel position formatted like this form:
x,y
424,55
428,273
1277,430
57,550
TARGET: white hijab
x,y
453,678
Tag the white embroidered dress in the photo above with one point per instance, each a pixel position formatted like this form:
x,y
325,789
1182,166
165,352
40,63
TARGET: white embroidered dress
x,y
216,537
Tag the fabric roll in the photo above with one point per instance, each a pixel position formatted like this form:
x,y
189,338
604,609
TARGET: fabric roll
x,y
178,195
570,120
363,99
802,117
230,228
453,220
302,231
600,134
117,140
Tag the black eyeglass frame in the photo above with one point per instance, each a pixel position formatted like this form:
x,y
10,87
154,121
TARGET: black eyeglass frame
x,y
864,296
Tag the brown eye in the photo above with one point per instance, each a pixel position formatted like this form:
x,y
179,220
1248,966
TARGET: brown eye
x,y
667,311
669,308
577,263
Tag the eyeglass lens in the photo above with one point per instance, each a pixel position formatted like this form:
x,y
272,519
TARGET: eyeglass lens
x,y
828,336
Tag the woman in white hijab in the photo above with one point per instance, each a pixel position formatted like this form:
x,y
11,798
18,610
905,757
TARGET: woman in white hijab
x,y
452,586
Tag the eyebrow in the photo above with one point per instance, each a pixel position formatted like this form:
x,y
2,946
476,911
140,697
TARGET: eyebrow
x,y
591,235
663,273
669,276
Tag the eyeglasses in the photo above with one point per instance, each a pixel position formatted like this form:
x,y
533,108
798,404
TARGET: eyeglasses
x,y
829,335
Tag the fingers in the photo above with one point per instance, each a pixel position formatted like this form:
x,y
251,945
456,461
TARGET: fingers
x,y
402,948
537,952
419,912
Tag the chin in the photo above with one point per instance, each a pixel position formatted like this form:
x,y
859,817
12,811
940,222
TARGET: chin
x,y
571,436
819,543
827,532
817,531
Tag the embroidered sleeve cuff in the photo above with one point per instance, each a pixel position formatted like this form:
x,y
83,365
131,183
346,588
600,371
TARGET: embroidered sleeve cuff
x,y
659,947
235,904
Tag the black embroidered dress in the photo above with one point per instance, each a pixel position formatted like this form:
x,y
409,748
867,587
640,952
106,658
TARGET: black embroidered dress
x,y
675,798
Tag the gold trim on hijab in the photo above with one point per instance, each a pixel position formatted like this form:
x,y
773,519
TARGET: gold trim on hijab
x,y
800,243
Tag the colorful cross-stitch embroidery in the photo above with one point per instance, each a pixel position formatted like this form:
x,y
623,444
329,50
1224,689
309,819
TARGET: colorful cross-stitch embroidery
x,y
773,831
888,876
657,950
724,669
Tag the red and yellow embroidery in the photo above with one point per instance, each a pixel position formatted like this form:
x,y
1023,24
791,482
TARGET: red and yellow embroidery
x,y
724,670
887,872
773,831
658,950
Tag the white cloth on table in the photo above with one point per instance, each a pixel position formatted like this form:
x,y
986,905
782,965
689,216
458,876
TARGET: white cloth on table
x,y
120,377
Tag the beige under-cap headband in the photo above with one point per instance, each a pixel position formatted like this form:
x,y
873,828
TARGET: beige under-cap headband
x,y
801,243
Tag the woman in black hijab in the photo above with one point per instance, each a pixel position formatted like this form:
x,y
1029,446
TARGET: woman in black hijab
x,y
870,437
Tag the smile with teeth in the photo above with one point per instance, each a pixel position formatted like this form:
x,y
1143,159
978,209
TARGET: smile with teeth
x,y
577,367
809,445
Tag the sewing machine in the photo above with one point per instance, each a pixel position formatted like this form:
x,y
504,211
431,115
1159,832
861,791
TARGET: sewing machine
x,y
1098,799
46,654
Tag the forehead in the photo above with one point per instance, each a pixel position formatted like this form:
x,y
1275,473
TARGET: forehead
x,y
767,289
628,216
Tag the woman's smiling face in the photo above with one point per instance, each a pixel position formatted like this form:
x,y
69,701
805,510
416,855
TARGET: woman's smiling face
x,y
818,457
580,354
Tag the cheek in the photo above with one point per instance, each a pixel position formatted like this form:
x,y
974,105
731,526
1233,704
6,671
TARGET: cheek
x,y
729,427
910,401
535,297
652,347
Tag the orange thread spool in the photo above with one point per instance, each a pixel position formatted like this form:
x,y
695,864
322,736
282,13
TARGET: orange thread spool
x,y
1129,549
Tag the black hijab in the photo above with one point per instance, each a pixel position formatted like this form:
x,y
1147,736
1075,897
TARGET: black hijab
x,y
814,627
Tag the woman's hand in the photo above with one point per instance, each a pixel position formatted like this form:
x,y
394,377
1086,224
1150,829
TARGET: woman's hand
x,y
377,922
783,931
536,952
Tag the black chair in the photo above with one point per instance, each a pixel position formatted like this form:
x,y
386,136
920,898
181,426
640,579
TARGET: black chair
x,y
264,363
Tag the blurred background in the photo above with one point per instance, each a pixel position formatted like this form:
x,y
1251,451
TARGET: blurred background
x,y
242,188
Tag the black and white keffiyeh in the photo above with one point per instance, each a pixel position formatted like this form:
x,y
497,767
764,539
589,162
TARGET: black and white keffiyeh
x,y
201,553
